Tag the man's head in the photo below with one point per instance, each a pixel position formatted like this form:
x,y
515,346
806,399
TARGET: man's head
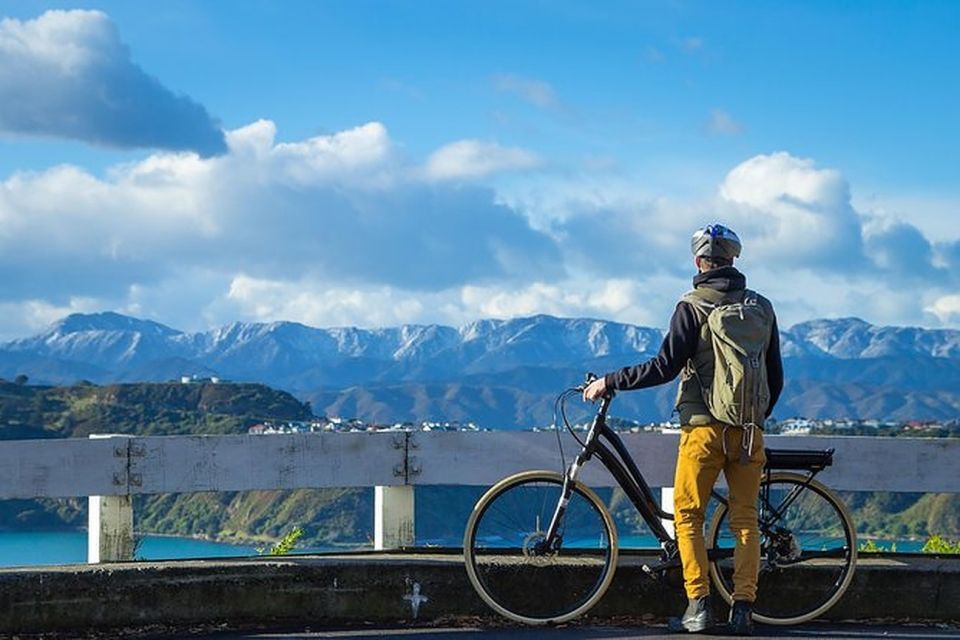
x,y
714,246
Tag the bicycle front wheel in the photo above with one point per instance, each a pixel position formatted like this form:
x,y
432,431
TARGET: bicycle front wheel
x,y
519,578
808,550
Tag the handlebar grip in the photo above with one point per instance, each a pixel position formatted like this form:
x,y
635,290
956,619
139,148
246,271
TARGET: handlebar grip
x,y
587,379
590,377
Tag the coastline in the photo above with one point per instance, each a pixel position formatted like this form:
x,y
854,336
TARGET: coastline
x,y
45,548
201,537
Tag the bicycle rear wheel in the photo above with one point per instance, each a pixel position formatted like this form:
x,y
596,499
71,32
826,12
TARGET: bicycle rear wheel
x,y
808,550
518,579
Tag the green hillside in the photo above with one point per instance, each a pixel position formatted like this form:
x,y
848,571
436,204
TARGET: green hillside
x,y
28,411
327,516
900,515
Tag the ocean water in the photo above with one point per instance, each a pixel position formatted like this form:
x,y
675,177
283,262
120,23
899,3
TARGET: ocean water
x,y
34,548
38,548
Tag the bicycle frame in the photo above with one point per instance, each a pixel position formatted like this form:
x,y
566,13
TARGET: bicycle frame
x,y
623,468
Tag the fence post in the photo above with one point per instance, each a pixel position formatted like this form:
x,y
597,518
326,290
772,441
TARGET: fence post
x,y
393,517
110,518
393,526
666,503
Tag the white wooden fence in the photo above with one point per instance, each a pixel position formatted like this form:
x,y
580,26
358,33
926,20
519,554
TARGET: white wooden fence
x,y
111,469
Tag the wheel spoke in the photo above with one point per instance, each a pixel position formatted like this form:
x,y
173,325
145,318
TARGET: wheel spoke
x,y
513,574
808,550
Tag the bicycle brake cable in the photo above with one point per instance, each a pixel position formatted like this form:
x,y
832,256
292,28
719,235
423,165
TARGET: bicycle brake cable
x,y
563,411
558,408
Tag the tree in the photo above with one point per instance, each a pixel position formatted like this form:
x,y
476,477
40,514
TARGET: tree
x,y
21,379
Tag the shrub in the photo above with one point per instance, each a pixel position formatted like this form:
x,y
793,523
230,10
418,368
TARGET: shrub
x,y
939,544
286,543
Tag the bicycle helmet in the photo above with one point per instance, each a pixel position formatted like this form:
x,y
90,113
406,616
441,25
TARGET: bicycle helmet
x,y
715,241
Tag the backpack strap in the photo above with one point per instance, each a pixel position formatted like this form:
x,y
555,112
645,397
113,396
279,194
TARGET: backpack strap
x,y
706,300
701,302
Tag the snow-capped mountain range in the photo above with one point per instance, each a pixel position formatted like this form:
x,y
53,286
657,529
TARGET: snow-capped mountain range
x,y
434,371
119,344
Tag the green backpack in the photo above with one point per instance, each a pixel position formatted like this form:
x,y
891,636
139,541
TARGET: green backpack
x,y
740,330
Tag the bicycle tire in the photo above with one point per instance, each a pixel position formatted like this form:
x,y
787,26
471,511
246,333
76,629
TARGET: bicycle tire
x,y
818,526
523,586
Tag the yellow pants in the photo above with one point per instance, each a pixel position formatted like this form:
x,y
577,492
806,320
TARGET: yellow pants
x,y
700,460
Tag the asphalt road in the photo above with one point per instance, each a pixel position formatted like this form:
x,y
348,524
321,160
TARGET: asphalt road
x,y
812,630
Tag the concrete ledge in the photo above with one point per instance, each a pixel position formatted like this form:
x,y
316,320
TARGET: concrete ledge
x,y
384,588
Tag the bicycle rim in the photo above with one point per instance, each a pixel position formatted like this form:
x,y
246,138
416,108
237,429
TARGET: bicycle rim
x,y
808,550
531,587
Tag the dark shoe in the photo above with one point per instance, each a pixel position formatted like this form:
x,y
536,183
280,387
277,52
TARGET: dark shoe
x,y
698,617
741,618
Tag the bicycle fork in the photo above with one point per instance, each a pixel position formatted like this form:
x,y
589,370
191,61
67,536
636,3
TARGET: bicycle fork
x,y
553,538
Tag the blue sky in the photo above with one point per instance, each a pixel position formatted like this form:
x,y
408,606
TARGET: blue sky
x,y
378,163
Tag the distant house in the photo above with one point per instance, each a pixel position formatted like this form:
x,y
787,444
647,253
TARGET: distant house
x,y
195,379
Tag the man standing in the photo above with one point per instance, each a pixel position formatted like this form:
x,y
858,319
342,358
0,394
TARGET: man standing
x,y
743,394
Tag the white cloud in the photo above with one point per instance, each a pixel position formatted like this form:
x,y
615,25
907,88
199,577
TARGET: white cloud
x,y
64,41
934,214
802,294
322,304
319,303
336,207
946,308
793,212
339,230
772,180
902,251
67,74
34,315
804,242
536,298
623,236
477,159
617,299
800,216
357,152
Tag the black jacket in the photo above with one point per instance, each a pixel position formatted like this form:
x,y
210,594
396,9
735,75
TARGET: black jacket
x,y
680,343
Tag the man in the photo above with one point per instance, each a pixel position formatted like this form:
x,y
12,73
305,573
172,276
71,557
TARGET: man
x,y
707,445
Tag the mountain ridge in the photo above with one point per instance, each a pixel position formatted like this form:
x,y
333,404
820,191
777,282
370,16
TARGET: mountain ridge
x,y
497,367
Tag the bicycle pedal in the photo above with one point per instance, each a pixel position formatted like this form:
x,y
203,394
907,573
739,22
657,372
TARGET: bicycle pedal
x,y
652,572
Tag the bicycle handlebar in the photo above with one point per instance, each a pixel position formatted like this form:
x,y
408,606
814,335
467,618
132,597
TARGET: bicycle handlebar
x,y
590,377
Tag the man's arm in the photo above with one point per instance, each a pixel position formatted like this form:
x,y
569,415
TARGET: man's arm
x,y
774,367
679,345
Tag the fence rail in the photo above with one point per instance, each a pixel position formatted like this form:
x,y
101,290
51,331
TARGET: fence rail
x,y
111,469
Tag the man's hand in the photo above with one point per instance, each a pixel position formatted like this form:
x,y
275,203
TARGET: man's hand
x,y
595,389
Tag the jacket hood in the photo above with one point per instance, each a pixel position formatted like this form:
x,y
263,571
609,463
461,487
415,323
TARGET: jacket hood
x,y
721,279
